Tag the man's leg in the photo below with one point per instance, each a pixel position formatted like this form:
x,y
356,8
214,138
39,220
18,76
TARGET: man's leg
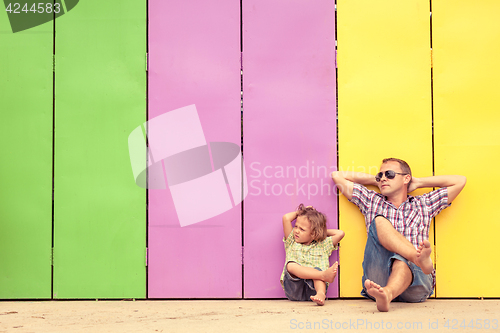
x,y
386,274
399,280
397,243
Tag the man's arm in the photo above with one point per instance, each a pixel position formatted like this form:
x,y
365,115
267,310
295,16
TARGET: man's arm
x,y
454,183
345,179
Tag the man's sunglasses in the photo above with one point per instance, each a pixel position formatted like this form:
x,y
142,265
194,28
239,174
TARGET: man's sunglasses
x,y
389,174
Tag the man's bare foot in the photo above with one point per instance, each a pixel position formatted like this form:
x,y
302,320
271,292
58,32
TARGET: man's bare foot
x,y
424,260
319,298
381,295
331,273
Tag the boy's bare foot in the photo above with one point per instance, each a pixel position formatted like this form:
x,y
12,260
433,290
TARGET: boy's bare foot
x,y
424,260
381,295
331,273
319,298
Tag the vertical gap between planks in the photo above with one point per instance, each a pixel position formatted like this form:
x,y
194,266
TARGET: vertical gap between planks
x,y
337,135
147,148
242,158
432,126
53,151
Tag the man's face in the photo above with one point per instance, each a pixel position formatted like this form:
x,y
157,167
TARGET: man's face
x,y
390,186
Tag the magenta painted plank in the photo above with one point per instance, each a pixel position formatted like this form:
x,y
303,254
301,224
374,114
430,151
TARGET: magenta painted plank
x,y
289,128
194,100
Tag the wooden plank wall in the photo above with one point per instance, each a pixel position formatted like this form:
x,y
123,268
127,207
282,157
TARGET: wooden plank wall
x,y
289,128
26,170
195,61
99,216
384,102
466,42
81,82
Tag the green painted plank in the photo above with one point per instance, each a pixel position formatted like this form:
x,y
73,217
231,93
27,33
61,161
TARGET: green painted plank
x,y
26,168
100,214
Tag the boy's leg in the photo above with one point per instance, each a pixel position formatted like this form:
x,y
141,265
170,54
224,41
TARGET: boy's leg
x,y
298,289
320,296
311,273
294,287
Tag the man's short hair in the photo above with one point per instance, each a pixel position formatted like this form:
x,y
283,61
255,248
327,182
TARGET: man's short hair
x,y
404,166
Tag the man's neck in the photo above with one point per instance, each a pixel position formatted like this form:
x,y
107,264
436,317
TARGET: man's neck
x,y
398,198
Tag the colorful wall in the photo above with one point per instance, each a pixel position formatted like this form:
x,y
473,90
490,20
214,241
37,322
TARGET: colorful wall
x,y
151,148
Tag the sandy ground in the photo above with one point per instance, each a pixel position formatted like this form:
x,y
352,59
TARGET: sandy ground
x,y
357,315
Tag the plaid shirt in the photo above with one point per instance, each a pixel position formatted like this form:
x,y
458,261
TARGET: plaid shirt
x,y
412,218
316,254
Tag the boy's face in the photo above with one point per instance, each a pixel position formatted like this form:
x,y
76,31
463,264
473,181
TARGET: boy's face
x,y
302,231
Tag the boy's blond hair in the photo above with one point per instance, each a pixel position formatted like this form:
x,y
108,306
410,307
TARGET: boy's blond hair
x,y
317,220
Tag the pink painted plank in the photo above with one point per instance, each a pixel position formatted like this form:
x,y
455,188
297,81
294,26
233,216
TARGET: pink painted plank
x,y
194,61
289,128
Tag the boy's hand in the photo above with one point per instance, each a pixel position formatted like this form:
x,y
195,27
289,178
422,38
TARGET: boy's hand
x,y
287,222
336,235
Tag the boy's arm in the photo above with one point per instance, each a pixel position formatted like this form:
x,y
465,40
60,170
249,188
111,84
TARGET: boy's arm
x,y
287,223
336,235
345,180
454,183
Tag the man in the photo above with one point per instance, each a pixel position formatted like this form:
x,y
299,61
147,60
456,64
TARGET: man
x,y
397,263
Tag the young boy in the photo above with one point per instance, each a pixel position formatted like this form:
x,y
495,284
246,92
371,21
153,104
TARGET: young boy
x,y
308,246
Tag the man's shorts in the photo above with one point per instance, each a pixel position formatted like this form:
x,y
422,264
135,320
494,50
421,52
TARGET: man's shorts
x,y
297,289
377,266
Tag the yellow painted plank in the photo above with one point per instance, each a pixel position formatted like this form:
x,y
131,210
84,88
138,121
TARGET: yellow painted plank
x,y
384,103
466,44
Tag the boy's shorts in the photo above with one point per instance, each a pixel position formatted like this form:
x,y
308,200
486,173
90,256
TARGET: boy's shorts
x,y
377,266
297,289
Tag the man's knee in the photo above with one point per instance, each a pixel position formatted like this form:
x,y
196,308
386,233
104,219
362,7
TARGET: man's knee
x,y
381,221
